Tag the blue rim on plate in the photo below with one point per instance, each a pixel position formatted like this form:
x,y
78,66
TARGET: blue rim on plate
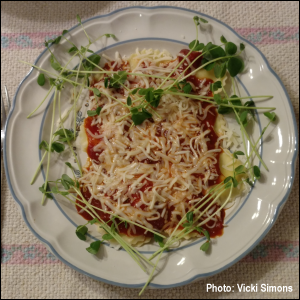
x,y
277,210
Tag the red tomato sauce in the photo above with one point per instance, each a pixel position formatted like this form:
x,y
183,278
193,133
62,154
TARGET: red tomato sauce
x,y
94,129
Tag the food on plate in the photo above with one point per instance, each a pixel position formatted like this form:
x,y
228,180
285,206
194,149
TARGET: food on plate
x,y
162,163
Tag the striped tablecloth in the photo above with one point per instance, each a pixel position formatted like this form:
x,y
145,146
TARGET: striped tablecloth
x,y
28,270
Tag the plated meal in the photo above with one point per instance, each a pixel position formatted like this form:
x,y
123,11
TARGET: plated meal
x,y
159,164
170,144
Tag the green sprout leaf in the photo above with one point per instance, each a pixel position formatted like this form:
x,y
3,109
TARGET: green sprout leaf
x,y
69,165
190,216
107,237
215,86
106,82
220,70
95,220
249,182
41,79
227,179
250,104
243,117
213,51
159,240
204,247
235,182
110,35
129,102
239,170
230,48
92,113
98,110
57,147
242,46
209,66
117,79
196,20
133,92
57,40
96,92
73,49
45,191
61,133
187,88
236,153
44,145
173,89
256,172
54,64
203,20
193,44
81,232
218,99
224,110
139,117
78,19
134,110
67,179
235,66
223,40
199,47
94,247
270,116
207,235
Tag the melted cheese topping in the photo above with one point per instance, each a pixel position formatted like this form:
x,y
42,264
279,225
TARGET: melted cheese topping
x,y
155,171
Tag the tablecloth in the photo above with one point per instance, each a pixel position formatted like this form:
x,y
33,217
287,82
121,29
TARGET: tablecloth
x,y
28,270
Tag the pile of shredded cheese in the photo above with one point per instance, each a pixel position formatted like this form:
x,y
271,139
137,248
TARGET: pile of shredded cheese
x,y
165,162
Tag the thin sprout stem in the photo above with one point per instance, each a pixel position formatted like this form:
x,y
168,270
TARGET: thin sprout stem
x,y
76,98
69,144
38,168
124,117
151,275
86,34
248,138
233,85
40,103
259,139
115,72
50,145
212,102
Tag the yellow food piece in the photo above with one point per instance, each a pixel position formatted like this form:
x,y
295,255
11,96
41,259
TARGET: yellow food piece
x,y
220,121
211,75
83,140
226,159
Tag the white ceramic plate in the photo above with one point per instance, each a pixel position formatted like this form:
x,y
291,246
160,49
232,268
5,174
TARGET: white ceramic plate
x,y
54,224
